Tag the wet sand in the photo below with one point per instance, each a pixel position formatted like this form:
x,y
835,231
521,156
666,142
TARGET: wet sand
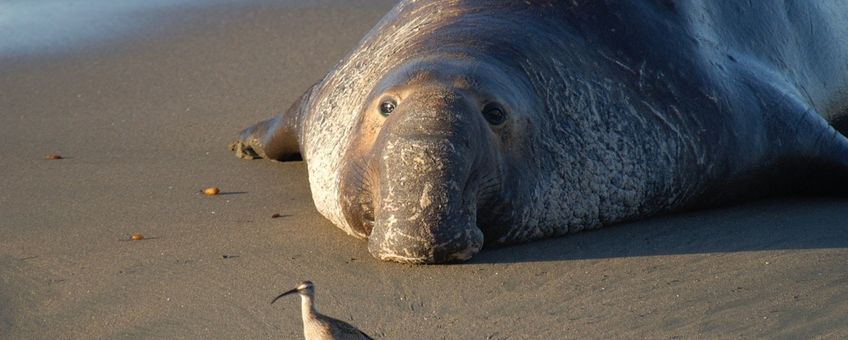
x,y
144,123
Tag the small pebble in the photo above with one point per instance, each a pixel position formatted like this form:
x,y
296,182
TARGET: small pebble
x,y
276,216
136,237
54,157
211,191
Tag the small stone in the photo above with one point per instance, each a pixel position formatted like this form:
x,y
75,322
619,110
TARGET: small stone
x,y
212,191
136,237
54,157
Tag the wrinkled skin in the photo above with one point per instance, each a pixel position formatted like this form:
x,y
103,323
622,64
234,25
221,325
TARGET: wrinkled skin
x,y
459,124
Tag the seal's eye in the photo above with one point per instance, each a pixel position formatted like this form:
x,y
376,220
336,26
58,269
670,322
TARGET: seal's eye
x,y
387,106
494,114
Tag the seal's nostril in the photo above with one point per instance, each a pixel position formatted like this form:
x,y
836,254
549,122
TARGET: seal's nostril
x,y
459,244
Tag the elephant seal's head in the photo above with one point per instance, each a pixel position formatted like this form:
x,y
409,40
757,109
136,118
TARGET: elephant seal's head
x,y
440,151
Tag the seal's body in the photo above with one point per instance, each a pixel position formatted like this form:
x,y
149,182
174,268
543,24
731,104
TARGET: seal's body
x,y
460,121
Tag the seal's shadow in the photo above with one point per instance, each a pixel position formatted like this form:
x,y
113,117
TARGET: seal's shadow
x,y
789,223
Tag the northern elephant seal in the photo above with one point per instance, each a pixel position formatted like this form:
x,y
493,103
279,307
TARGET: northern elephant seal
x,y
455,122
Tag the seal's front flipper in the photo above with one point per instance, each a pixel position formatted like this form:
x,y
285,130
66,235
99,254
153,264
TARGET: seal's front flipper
x,y
277,138
266,139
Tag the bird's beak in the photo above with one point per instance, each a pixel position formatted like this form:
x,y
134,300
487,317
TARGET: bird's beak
x,y
284,294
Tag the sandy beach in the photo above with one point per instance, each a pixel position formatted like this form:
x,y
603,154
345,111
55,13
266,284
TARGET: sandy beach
x,y
143,118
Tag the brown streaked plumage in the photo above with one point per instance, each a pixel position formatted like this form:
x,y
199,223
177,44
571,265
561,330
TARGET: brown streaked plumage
x,y
317,326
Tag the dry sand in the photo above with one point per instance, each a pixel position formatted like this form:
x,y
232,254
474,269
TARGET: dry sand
x,y
144,124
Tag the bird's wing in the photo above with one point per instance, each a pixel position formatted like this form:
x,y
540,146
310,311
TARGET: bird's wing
x,y
346,330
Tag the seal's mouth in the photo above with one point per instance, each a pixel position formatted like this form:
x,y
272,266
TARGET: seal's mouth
x,y
357,195
368,221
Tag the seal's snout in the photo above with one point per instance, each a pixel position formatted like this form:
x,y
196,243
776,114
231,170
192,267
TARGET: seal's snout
x,y
456,243
427,210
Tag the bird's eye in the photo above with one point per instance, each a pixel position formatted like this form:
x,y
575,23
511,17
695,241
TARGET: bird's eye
x,y
387,106
494,114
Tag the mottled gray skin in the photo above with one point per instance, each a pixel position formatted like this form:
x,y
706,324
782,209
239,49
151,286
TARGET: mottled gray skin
x,y
605,112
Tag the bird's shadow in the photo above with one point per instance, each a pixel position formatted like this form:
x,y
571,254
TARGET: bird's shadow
x,y
790,223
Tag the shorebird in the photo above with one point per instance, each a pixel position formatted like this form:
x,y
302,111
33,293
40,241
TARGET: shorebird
x,y
317,326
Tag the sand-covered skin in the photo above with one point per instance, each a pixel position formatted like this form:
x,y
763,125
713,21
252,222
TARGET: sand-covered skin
x,y
143,126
